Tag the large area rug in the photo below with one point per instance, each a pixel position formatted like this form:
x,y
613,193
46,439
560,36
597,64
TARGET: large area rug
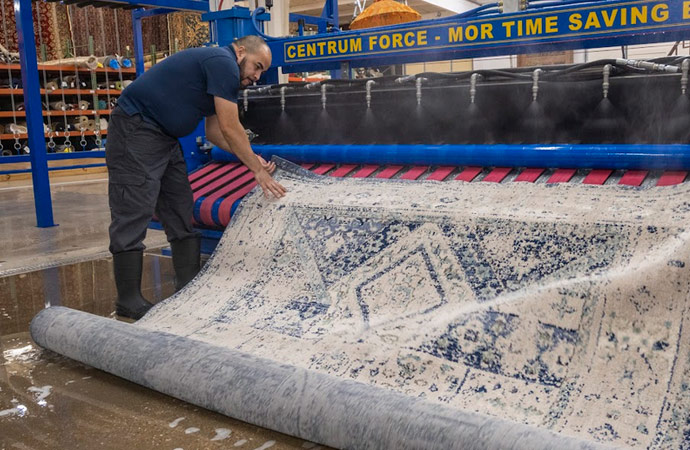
x,y
559,307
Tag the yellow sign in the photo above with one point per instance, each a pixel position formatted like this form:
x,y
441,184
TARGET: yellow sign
x,y
513,29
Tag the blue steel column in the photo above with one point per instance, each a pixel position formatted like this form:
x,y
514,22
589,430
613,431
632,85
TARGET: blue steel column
x,y
34,113
138,42
330,13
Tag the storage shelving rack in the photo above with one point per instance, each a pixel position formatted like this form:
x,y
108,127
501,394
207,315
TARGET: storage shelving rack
x,y
92,93
33,93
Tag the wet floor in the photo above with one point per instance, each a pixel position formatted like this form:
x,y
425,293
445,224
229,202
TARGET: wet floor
x,y
48,401
80,210
51,402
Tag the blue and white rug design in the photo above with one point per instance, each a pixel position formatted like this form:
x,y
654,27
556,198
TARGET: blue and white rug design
x,y
557,306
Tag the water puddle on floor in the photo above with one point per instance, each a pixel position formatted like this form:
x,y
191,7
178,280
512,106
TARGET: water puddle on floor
x,y
48,401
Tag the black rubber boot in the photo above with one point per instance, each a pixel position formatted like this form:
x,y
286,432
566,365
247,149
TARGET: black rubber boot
x,y
186,256
130,302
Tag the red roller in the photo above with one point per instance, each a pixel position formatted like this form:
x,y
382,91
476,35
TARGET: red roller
x,y
212,175
343,170
633,177
389,172
365,171
207,203
322,169
414,173
597,176
561,176
226,206
671,177
203,171
220,182
529,175
224,212
441,173
469,174
497,175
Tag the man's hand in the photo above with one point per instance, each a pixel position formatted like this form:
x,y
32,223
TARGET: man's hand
x,y
236,139
269,166
268,184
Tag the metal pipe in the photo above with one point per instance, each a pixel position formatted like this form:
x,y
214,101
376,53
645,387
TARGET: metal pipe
x,y
51,169
613,156
246,100
605,85
282,97
405,79
646,65
535,84
473,86
418,84
684,77
54,156
369,84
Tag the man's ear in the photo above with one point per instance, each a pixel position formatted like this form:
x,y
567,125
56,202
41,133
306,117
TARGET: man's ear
x,y
241,52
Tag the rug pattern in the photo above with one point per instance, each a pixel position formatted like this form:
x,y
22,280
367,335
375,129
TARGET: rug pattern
x,y
561,306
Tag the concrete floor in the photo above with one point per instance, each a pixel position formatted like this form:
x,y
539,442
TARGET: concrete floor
x,y
80,209
48,401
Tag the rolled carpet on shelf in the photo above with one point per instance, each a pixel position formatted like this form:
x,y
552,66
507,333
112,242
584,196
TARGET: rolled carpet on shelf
x,y
88,62
364,313
61,106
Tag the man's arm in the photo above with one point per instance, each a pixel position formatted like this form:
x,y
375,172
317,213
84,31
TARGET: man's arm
x,y
226,126
214,135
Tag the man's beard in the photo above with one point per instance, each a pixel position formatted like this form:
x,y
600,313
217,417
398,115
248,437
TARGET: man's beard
x,y
242,80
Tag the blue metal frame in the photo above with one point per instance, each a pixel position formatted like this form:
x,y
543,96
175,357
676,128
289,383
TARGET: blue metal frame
x,y
77,166
612,156
330,14
34,114
329,17
485,32
57,156
236,22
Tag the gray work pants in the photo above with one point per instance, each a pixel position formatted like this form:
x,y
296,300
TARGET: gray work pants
x,y
147,174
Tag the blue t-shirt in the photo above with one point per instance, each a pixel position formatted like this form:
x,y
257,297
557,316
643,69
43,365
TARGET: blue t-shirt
x,y
178,92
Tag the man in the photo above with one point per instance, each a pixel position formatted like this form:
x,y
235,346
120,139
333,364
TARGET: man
x,y
146,167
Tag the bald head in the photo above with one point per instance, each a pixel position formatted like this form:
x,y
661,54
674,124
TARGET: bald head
x,y
253,56
253,44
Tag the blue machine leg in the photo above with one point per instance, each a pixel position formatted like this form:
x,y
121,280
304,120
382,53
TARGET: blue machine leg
x,y
34,113
138,42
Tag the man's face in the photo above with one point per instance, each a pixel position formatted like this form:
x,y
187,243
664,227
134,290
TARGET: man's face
x,y
252,65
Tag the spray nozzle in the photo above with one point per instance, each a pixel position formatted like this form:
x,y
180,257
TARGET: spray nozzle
x,y
605,85
324,87
369,84
283,89
418,85
473,86
535,84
